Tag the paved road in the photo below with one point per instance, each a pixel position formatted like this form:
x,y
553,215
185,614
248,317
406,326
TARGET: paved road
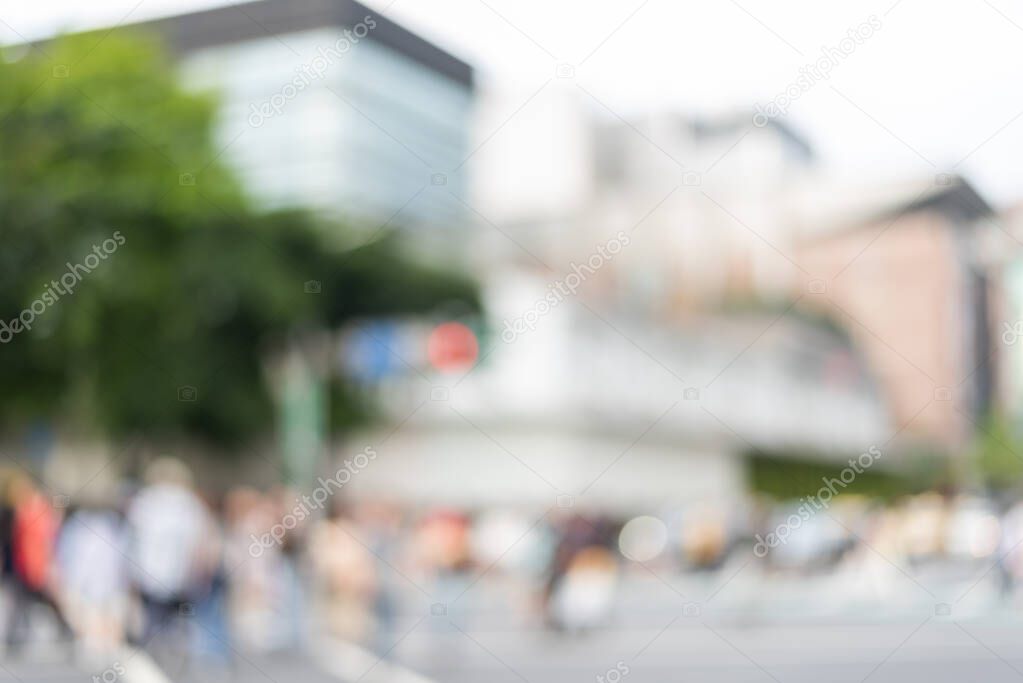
x,y
735,625
738,627
265,669
933,650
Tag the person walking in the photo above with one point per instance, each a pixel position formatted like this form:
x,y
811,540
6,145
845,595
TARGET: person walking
x,y
168,525
35,524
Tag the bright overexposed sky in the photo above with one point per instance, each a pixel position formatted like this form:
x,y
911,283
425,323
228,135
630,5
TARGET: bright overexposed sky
x,y
935,89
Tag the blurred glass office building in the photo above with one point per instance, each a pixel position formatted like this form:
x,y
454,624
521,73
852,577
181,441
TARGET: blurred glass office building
x,y
327,104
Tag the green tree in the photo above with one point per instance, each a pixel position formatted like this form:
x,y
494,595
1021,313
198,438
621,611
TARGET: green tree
x,y
102,147
998,455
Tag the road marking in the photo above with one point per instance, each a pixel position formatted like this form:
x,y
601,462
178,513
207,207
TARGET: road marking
x,y
350,662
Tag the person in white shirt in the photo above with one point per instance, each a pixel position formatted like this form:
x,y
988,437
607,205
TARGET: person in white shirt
x,y
169,524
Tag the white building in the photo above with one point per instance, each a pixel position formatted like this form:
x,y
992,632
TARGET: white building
x,y
330,105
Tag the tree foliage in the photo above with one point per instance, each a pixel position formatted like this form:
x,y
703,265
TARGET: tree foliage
x,y
102,146
998,454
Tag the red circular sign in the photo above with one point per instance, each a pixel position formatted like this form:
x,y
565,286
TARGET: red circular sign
x,y
452,346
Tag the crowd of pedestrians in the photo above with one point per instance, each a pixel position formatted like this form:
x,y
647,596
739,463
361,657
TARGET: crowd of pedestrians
x,y
198,577
190,575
